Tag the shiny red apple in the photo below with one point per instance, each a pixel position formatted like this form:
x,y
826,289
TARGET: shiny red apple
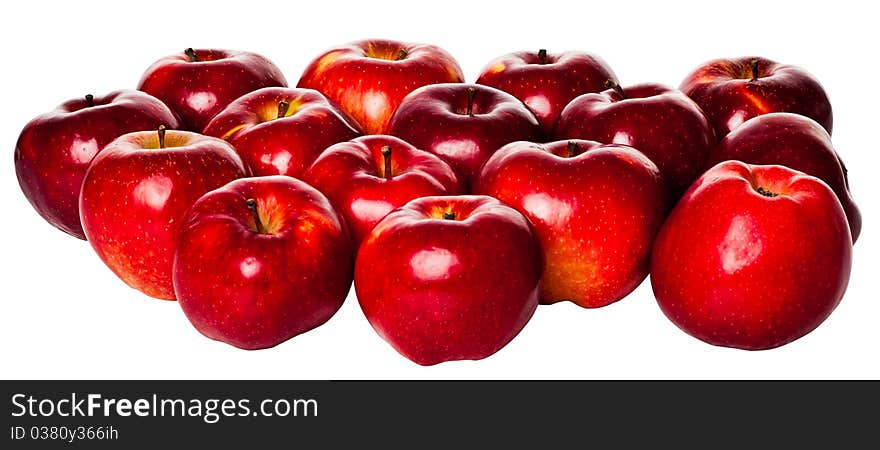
x,y
369,78
546,82
370,176
595,208
794,141
55,149
659,121
198,84
463,123
734,90
280,131
261,260
449,278
135,196
752,257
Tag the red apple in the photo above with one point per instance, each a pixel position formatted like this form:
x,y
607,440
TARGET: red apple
x,y
659,121
198,84
136,193
55,149
280,131
370,176
794,141
752,257
546,82
261,260
734,90
463,123
368,79
449,278
595,208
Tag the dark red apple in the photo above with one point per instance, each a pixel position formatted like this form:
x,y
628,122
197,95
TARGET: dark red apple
x,y
280,131
463,123
546,82
659,121
595,208
369,78
198,84
794,141
370,176
261,260
449,278
55,149
135,196
752,257
734,90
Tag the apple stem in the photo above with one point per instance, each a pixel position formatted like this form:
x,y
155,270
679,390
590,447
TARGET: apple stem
x,y
765,192
472,93
573,149
402,54
191,54
542,56
282,108
90,100
386,155
161,132
449,215
252,207
610,84
754,63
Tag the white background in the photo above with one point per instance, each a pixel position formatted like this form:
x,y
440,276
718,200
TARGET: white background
x,y
64,315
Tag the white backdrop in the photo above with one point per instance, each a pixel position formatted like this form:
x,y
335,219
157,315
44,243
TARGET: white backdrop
x,y
63,314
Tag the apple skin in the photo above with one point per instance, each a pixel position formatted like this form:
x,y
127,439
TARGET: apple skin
x,y
726,92
288,145
434,118
55,149
659,121
367,80
449,289
547,84
256,286
794,141
351,174
737,268
198,90
135,196
595,208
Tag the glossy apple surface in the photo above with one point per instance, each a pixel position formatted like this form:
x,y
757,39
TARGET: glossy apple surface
x,y
794,141
659,121
449,278
281,131
55,149
734,90
135,196
370,176
752,257
198,84
546,82
595,208
261,260
464,124
369,78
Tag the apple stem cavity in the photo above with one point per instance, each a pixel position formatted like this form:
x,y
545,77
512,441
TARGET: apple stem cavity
x,y
449,215
472,93
402,54
90,100
283,106
610,84
252,207
573,149
754,63
191,54
542,56
386,155
161,132
765,192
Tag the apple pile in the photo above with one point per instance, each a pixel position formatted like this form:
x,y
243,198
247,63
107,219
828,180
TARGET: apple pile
x,y
455,208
